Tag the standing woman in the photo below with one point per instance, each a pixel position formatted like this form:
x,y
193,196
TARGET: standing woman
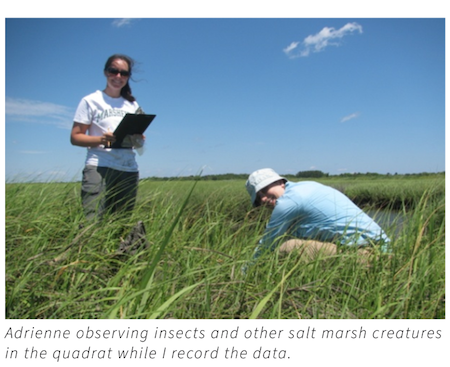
x,y
110,177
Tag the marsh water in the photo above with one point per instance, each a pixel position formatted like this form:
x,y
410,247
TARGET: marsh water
x,y
389,219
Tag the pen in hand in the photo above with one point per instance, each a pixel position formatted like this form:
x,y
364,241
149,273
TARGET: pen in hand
x,y
108,143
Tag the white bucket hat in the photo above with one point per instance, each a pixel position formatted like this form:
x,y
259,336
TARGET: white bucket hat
x,y
260,179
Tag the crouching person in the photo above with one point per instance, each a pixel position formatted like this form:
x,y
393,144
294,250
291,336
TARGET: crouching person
x,y
316,218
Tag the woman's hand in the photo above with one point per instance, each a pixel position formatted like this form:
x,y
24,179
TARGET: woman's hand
x,y
107,139
79,137
138,140
133,141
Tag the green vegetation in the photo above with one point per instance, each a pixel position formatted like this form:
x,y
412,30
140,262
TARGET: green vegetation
x,y
311,174
200,234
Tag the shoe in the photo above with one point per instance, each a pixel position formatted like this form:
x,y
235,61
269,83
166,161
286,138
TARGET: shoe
x,y
135,241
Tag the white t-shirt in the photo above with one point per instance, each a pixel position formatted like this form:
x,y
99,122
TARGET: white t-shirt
x,y
103,114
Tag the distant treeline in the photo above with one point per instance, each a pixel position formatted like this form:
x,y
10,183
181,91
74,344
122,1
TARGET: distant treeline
x,y
301,174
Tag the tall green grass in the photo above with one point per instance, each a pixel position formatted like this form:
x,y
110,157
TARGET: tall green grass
x,y
200,235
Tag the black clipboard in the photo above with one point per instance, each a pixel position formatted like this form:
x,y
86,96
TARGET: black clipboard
x,y
131,124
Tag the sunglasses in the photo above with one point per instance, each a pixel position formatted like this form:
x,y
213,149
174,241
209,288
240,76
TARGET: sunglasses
x,y
115,71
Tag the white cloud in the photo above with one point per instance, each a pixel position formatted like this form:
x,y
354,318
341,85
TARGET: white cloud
x,y
26,110
291,47
350,117
122,22
318,42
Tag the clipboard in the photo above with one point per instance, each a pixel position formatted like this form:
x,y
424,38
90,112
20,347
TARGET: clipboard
x,y
131,124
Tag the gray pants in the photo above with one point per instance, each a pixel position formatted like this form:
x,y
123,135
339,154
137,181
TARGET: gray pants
x,y
107,190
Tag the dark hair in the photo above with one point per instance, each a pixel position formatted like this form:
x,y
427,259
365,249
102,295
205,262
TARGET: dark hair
x,y
258,199
126,90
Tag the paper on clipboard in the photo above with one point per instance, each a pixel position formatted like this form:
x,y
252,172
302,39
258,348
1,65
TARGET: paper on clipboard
x,y
131,124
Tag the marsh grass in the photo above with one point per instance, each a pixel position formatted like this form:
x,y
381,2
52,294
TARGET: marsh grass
x,y
200,234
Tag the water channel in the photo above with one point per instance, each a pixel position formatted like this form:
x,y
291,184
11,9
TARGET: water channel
x,y
390,220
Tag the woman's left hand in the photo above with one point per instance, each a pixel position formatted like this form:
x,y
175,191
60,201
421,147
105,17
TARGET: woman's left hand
x,y
133,141
138,140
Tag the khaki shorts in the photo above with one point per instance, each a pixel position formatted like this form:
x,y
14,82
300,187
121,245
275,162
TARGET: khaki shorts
x,y
313,249
107,190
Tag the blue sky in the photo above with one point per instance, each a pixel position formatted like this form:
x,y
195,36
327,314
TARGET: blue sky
x,y
339,95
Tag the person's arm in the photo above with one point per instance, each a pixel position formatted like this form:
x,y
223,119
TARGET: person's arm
x,y
79,137
284,215
282,218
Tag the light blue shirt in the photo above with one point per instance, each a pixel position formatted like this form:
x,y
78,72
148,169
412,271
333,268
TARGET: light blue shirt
x,y
310,210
